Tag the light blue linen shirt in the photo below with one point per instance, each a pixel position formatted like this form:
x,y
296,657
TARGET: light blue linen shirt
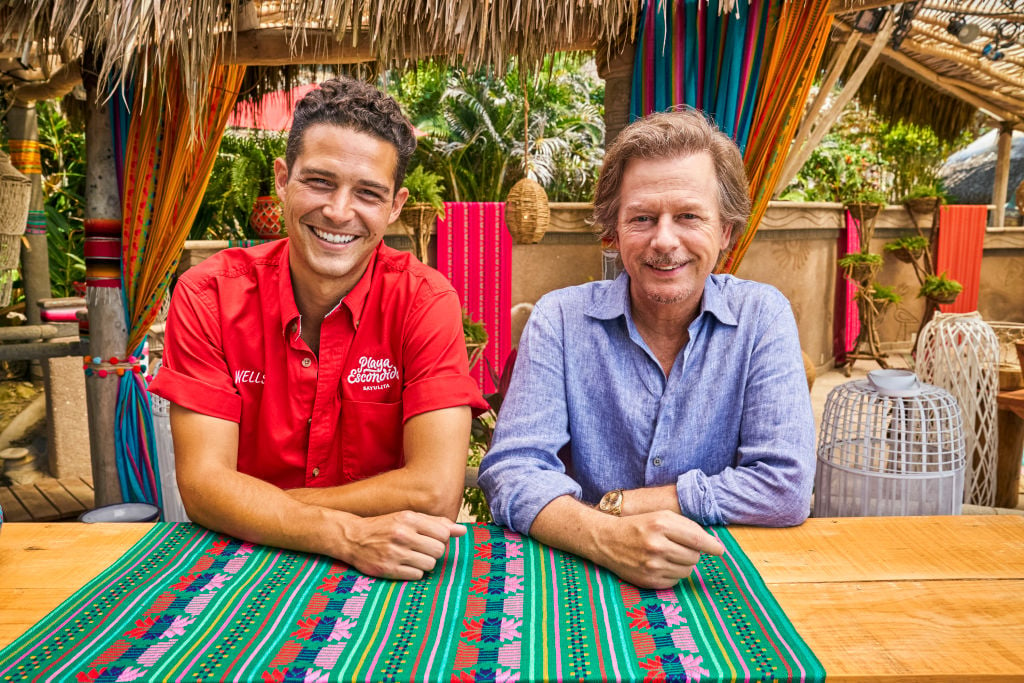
x,y
731,426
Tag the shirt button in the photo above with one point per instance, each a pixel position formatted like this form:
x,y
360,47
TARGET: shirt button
x,y
306,362
316,471
657,462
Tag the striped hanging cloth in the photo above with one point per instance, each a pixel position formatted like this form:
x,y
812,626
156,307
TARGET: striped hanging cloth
x,y
164,168
749,65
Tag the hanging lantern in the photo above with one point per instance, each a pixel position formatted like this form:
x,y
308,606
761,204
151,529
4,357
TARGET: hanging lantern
x,y
526,212
15,195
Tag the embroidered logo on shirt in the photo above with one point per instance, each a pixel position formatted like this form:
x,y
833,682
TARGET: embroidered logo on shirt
x,y
377,372
249,377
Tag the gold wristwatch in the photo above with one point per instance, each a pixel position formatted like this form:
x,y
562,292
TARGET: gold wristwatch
x,y
611,503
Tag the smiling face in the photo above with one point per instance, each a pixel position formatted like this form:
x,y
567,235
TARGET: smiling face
x,y
669,233
337,202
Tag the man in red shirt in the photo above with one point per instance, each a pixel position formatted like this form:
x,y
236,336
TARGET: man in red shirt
x,y
319,384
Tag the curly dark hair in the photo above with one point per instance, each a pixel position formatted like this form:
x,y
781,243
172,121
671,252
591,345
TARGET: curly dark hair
x,y
351,103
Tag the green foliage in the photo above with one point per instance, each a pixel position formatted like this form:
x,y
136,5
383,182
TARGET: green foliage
x,y
910,243
62,154
857,258
939,286
425,187
924,190
473,330
475,128
242,171
913,156
839,170
884,294
866,195
479,441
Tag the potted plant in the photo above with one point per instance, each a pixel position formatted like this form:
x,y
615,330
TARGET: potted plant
x,y
240,197
865,203
907,249
475,335
423,207
860,267
883,296
940,289
925,197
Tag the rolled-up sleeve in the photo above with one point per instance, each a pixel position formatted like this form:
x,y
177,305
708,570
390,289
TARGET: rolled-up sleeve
x,y
522,471
770,483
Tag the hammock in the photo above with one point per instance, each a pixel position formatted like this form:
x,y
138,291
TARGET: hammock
x,y
749,66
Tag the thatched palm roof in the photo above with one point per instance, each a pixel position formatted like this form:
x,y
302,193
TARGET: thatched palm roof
x,y
44,40
931,54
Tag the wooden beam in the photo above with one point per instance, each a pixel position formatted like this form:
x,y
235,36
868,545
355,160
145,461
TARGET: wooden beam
x,y
802,148
999,190
849,6
60,83
279,47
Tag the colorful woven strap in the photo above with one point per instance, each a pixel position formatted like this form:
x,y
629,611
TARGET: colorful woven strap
x,y
25,156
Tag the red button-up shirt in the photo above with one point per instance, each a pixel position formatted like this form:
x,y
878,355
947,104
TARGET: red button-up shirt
x,y
393,348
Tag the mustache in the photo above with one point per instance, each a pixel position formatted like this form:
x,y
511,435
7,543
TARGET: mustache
x,y
664,262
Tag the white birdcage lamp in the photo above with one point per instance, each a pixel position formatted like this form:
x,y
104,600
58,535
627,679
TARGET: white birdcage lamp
x,y
889,445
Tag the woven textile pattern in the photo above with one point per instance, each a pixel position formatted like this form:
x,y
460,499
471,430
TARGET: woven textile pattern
x,y
186,603
474,251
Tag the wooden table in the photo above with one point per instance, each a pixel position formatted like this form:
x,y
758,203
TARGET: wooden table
x,y
911,598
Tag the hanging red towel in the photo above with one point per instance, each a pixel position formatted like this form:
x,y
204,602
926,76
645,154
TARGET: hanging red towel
x,y
961,240
474,251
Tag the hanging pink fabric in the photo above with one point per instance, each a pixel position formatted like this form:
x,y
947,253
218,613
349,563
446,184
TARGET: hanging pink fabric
x,y
961,240
847,319
474,251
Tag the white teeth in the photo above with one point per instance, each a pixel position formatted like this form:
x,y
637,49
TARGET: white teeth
x,y
332,238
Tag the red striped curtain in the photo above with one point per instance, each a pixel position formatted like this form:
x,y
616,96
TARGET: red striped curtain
x,y
474,251
958,255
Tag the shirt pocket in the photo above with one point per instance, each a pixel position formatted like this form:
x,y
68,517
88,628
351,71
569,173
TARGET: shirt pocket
x,y
371,438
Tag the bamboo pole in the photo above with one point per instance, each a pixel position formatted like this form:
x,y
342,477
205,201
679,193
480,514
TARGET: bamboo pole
x,y
22,124
108,334
1002,173
802,148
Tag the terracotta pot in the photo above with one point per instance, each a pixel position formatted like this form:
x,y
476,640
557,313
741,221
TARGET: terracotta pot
x,y
265,219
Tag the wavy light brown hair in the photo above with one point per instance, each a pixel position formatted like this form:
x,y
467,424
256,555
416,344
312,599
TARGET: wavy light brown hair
x,y
354,104
681,132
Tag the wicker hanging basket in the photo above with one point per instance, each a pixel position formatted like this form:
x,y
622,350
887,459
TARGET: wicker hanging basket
x,y
922,205
526,212
15,196
863,211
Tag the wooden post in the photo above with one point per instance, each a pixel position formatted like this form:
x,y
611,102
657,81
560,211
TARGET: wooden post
x,y
35,261
616,68
108,334
1002,173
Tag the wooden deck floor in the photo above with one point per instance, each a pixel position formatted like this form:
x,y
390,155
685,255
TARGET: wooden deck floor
x,y
47,500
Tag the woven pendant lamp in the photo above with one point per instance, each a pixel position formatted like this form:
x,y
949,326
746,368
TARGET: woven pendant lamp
x,y
15,195
526,208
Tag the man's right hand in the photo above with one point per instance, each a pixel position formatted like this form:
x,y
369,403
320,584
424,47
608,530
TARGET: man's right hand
x,y
654,549
400,545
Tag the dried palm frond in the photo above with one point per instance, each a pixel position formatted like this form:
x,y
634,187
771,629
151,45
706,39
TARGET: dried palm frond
x,y
144,37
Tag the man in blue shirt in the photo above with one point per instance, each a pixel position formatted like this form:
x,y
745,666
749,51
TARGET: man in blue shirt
x,y
644,407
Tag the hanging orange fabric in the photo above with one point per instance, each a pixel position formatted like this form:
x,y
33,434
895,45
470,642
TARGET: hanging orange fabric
x,y
167,167
799,39
961,241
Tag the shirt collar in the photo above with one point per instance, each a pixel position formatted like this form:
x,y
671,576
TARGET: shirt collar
x,y
612,301
354,300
